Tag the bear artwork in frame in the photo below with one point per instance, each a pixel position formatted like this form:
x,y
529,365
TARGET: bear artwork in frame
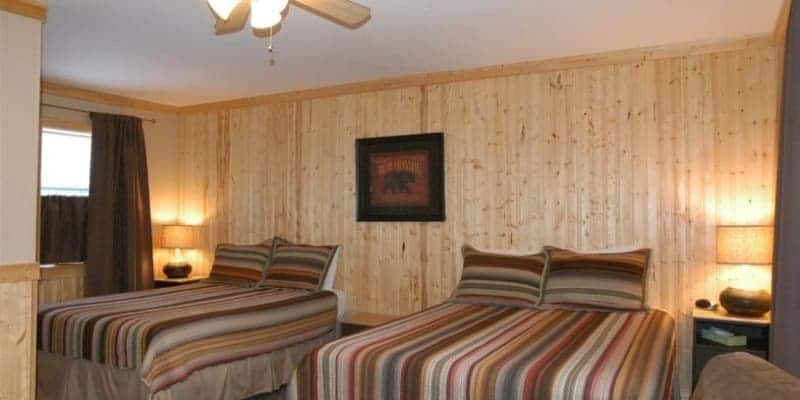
x,y
400,178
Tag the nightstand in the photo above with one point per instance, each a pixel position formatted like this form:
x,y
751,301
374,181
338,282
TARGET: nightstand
x,y
755,328
356,322
167,282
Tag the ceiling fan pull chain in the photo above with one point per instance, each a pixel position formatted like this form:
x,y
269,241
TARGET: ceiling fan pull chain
x,y
270,39
270,49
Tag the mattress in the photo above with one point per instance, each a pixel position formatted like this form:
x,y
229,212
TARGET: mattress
x,y
168,334
468,351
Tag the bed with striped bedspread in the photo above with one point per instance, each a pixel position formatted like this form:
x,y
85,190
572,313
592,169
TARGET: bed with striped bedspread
x,y
468,351
167,334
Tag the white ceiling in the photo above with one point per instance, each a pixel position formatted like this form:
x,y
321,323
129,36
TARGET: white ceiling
x,y
166,51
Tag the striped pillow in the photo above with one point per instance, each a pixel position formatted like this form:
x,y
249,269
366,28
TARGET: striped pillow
x,y
241,264
607,280
300,266
499,279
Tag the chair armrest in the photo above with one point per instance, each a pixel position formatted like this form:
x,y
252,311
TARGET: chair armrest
x,y
744,376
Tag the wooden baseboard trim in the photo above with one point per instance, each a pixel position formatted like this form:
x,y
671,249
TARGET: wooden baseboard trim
x,y
19,273
26,8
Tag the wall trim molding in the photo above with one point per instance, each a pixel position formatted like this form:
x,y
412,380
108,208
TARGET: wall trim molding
x,y
782,23
73,92
26,8
14,273
61,271
497,71
65,124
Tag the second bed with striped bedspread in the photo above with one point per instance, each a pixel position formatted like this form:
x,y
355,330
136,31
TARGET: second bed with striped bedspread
x,y
467,351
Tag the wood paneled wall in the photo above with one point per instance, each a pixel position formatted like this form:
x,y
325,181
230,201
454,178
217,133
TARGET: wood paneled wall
x,y
18,331
62,282
652,153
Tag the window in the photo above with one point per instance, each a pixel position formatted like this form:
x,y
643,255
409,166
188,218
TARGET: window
x,y
65,163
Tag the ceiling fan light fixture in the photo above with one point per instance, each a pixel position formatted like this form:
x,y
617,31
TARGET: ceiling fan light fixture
x,y
265,21
223,8
266,13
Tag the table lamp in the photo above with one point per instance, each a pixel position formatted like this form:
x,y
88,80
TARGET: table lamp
x,y
745,246
178,238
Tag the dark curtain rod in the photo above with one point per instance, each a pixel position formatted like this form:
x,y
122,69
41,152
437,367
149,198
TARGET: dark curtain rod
x,y
89,111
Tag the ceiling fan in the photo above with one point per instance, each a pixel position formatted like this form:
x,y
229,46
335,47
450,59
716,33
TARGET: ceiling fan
x,y
264,14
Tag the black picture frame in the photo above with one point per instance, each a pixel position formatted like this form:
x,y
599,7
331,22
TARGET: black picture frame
x,y
430,143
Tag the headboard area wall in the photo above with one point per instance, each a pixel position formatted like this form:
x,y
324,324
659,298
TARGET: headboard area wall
x,y
648,151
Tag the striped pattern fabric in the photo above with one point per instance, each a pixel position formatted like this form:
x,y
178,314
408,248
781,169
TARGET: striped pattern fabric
x,y
299,266
596,280
501,279
169,333
242,265
470,351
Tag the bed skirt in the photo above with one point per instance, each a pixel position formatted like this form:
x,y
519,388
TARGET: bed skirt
x,y
61,378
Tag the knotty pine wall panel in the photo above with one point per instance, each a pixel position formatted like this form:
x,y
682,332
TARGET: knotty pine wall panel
x,y
654,153
61,282
328,129
237,177
17,338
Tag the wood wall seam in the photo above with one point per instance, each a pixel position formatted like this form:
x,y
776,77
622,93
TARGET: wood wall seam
x,y
26,8
62,90
424,227
33,328
298,167
497,71
13,273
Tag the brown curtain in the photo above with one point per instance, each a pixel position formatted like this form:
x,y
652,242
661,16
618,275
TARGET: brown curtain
x,y
62,229
120,251
785,344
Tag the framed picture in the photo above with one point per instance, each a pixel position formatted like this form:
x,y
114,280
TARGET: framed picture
x,y
400,178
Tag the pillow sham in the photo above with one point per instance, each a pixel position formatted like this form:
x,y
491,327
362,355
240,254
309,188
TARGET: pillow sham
x,y
599,280
499,278
302,267
243,265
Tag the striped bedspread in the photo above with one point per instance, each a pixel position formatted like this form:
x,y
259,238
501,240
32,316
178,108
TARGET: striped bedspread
x,y
169,333
477,352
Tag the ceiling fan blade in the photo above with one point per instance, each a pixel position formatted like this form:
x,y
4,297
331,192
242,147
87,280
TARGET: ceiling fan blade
x,y
342,12
236,22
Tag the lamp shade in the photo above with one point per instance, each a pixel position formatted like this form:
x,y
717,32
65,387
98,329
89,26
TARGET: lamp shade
x,y
737,244
177,236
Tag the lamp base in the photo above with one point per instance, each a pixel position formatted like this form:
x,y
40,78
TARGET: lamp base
x,y
752,303
177,270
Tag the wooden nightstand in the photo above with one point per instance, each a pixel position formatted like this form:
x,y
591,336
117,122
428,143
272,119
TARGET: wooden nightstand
x,y
356,322
167,282
755,328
